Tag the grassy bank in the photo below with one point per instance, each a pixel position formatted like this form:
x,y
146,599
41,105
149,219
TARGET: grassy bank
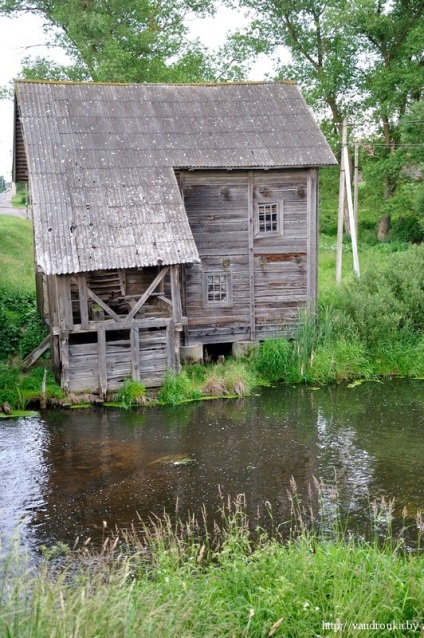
x,y
16,255
172,581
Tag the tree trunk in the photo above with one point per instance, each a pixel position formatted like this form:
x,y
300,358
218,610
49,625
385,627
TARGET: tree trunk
x,y
384,222
383,228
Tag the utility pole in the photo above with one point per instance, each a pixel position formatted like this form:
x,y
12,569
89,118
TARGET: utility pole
x,y
340,216
356,187
345,191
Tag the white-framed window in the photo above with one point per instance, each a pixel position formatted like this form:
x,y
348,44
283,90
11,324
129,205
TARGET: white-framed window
x,y
269,218
217,288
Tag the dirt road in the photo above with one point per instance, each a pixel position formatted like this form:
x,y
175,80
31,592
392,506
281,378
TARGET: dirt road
x,y
6,207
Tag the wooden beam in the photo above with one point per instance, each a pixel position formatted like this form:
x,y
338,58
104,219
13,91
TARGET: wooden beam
x,y
110,324
251,239
177,358
66,320
64,360
147,294
102,304
52,318
164,299
135,353
176,295
122,282
170,346
54,344
83,299
101,353
36,354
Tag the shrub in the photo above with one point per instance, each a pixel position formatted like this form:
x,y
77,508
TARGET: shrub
x,y
388,299
18,389
9,385
10,335
22,328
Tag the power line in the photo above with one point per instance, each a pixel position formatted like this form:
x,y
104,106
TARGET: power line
x,y
399,123
388,146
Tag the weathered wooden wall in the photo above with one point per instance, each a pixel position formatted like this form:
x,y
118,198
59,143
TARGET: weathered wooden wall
x,y
84,361
138,337
272,276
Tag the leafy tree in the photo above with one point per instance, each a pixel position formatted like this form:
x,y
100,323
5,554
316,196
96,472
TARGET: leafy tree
x,y
391,36
324,55
359,57
121,40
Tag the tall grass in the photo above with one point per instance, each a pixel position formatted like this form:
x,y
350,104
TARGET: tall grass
x,y
231,378
176,579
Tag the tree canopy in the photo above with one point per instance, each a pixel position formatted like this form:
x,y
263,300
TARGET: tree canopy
x,y
123,40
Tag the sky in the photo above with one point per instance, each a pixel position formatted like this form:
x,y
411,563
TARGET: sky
x,y
20,37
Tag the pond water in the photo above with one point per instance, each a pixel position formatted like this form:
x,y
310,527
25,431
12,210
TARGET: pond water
x,y
63,474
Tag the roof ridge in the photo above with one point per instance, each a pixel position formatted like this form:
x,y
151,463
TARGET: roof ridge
x,y
90,83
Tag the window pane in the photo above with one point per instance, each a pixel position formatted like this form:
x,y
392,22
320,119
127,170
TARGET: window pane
x,y
217,288
268,218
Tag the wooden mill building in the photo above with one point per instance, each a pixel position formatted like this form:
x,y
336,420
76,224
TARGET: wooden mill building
x,y
166,216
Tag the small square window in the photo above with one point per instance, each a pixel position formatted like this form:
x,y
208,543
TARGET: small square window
x,y
268,219
217,289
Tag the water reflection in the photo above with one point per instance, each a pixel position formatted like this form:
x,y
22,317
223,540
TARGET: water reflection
x,y
23,477
63,475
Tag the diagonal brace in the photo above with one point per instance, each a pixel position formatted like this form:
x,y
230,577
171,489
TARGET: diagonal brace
x,y
147,294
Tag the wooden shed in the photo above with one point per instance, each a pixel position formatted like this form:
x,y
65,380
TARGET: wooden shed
x,y
166,216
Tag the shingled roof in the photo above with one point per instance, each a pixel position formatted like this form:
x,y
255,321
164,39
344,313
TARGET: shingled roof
x,y
102,158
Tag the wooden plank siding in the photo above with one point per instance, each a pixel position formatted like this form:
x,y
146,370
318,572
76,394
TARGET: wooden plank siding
x,y
216,204
271,274
84,360
96,354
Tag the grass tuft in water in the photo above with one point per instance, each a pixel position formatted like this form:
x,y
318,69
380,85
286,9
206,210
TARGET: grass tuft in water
x,y
178,388
132,393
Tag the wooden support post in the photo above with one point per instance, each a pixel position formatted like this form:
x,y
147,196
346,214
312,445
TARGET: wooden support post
x,y
54,342
51,302
175,295
170,347
63,286
356,187
135,353
340,217
101,353
122,281
177,345
64,360
83,299
251,239
147,294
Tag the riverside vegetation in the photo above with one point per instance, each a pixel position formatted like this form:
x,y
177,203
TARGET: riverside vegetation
x,y
307,577
366,328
